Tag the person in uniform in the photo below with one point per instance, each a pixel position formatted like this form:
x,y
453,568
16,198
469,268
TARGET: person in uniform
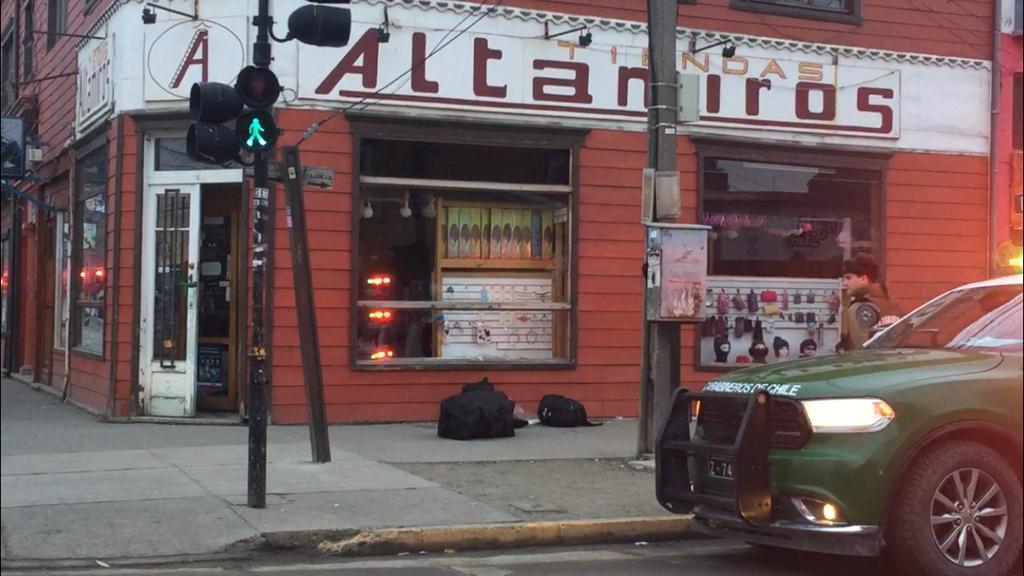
x,y
866,302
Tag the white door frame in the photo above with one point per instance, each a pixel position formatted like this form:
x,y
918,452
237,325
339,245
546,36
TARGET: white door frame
x,y
170,391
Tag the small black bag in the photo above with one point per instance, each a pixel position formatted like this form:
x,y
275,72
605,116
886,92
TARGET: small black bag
x,y
476,414
483,385
562,412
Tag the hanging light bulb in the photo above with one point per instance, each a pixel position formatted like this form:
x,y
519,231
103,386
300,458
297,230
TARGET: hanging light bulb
x,y
367,210
430,210
405,210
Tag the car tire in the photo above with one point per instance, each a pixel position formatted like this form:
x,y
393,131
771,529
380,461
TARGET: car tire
x,y
927,513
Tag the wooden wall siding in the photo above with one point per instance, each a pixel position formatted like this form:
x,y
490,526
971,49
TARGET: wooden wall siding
x,y
610,298
935,232
125,261
936,224
90,376
959,28
57,96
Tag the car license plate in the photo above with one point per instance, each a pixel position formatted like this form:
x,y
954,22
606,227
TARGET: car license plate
x,y
720,469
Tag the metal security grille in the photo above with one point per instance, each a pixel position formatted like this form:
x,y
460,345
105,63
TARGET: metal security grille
x,y
172,277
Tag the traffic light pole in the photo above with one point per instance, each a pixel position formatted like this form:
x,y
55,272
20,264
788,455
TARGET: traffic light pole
x,y
258,378
258,375
660,369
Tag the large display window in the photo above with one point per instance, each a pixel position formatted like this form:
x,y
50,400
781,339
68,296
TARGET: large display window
x,y
782,223
464,254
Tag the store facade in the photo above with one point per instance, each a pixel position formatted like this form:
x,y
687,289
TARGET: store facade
x,y
480,216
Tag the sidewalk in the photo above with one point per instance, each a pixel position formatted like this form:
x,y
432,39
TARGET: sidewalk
x,y
75,488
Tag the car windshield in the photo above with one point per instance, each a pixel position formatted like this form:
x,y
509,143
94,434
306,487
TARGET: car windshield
x,y
987,319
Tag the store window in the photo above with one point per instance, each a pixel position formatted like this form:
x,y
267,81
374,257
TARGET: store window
x,y
782,223
464,254
62,301
170,155
844,11
90,246
789,220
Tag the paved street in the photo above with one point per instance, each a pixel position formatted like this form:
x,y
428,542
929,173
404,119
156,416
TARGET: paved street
x,y
704,558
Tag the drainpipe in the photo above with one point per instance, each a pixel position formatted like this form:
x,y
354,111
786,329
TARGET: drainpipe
x,y
65,392
993,151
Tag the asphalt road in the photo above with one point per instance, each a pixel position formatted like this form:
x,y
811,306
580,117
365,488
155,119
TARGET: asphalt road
x,y
696,557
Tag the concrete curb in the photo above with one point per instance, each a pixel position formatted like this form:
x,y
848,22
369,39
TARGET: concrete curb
x,y
497,536
385,541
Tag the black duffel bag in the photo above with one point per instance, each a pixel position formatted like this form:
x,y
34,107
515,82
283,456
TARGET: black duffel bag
x,y
561,412
476,414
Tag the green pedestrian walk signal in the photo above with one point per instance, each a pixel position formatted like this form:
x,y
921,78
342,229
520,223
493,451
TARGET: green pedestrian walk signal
x,y
255,133
256,130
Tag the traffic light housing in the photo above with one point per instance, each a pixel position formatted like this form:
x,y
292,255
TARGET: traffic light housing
x,y
212,105
321,25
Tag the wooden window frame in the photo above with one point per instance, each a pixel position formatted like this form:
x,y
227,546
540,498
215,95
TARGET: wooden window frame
x,y
56,21
480,134
852,17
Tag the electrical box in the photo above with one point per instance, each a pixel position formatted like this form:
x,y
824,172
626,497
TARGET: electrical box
x,y
677,272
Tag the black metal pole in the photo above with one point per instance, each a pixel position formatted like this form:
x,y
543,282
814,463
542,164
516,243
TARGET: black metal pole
x,y
258,374
258,378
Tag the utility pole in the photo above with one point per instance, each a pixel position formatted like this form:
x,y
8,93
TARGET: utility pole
x,y
660,355
258,376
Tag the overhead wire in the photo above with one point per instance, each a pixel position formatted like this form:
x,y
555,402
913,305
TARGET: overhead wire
x,y
445,41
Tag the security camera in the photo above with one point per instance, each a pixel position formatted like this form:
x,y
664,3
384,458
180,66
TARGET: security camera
x,y
729,50
148,16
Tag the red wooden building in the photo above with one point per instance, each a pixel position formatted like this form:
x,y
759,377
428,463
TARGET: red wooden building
x,y
477,211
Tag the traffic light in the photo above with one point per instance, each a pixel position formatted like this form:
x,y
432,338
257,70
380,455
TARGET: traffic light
x,y
212,105
321,25
258,89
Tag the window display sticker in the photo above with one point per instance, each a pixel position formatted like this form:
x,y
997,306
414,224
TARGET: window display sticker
x,y
683,273
497,334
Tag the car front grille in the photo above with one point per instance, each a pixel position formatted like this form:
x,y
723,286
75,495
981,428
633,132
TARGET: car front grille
x,y
720,418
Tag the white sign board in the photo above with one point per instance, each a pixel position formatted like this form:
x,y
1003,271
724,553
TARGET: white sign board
x,y
179,53
505,65
94,99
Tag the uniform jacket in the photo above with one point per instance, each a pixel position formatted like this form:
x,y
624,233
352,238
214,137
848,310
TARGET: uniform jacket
x,y
865,310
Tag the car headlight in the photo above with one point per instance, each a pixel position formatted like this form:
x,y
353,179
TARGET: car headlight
x,y
848,415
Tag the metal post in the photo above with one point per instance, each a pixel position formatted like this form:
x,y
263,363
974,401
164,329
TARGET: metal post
x,y
258,374
258,379
304,308
660,371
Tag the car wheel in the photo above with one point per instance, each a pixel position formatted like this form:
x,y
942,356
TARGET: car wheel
x,y
958,513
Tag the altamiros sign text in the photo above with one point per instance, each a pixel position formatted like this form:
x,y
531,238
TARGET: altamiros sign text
x,y
507,65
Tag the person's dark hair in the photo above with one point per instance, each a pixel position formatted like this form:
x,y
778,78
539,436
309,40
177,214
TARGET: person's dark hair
x,y
862,264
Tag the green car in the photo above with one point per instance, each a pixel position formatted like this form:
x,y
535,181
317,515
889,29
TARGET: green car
x,y
911,447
